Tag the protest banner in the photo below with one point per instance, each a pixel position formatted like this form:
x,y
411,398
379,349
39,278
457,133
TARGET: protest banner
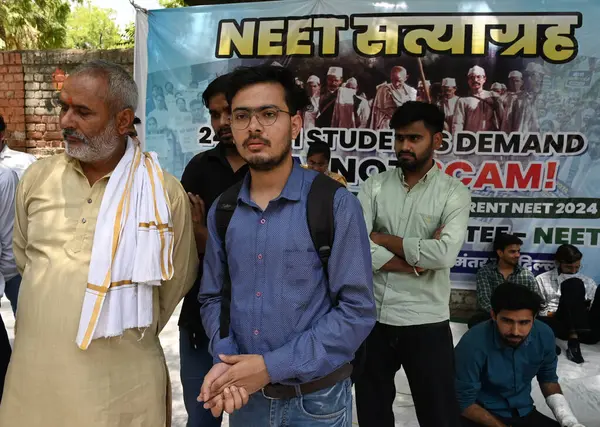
x,y
522,133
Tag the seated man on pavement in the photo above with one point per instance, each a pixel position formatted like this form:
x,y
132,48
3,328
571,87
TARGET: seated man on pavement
x,y
571,307
497,360
505,267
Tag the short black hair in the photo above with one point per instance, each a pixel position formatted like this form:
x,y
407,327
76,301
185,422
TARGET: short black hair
x,y
510,296
319,148
504,240
568,254
2,124
296,98
217,86
416,111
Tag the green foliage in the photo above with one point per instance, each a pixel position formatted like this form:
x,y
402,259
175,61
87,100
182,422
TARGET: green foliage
x,y
91,27
128,36
33,24
170,4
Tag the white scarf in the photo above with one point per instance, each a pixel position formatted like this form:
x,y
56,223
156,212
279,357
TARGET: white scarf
x,y
132,250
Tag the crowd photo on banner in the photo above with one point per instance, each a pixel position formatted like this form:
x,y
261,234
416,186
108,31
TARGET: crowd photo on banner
x,y
310,192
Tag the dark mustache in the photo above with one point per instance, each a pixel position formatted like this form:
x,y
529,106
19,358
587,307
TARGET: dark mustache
x,y
514,336
254,138
399,153
224,129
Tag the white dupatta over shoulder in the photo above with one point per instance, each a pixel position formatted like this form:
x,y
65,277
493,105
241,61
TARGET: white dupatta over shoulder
x,y
132,250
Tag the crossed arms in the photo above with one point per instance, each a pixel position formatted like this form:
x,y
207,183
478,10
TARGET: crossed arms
x,y
436,252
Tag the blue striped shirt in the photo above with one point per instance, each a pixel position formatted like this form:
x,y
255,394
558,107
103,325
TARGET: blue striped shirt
x,y
283,307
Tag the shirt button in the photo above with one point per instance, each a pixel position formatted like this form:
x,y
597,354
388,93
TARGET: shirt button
x,y
259,294
256,332
262,221
83,220
89,200
259,256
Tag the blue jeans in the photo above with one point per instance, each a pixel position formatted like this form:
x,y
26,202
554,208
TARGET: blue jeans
x,y
11,291
195,364
330,407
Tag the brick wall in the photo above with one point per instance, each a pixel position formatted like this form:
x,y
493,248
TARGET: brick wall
x,y
29,82
12,97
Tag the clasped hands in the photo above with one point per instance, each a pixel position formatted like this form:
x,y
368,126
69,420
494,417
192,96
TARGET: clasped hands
x,y
229,384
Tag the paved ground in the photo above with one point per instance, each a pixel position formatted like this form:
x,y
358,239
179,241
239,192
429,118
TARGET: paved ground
x,y
580,383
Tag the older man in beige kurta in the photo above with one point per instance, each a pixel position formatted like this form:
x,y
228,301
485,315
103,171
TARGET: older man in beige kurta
x,y
51,382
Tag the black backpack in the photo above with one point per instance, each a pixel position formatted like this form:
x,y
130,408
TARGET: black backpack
x,y
320,219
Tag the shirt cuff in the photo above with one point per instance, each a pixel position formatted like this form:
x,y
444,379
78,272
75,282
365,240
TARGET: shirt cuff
x,y
380,256
412,250
226,346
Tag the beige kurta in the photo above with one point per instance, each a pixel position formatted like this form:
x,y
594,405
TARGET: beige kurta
x,y
476,113
116,382
387,100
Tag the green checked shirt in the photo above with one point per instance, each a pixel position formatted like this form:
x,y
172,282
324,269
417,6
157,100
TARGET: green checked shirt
x,y
405,299
489,278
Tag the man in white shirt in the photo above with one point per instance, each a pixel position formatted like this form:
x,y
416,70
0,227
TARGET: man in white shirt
x,y
12,159
572,309
8,268
9,276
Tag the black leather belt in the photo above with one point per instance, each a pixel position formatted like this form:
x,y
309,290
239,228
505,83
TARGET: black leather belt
x,y
281,391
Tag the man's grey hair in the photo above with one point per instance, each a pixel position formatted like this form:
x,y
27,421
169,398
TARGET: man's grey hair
x,y
122,90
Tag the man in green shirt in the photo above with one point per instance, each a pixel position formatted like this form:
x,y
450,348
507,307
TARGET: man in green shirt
x,y
504,268
417,219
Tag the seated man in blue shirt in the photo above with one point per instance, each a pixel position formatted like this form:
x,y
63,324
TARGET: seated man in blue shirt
x,y
294,327
497,360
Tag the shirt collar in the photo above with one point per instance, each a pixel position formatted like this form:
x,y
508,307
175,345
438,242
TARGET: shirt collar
x,y
292,190
426,178
76,165
5,152
494,265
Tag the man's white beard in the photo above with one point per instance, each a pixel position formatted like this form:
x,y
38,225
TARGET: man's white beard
x,y
97,148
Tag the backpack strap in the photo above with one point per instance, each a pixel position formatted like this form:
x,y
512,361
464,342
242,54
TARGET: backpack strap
x,y
320,216
223,213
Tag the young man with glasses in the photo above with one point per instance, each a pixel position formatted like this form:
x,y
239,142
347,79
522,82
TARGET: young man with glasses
x,y
571,307
294,328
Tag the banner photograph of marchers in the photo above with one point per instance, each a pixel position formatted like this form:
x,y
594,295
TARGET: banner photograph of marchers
x,y
518,82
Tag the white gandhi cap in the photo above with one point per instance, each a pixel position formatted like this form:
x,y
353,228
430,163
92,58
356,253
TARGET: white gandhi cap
x,y
476,71
515,75
496,86
352,83
314,79
449,82
335,71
